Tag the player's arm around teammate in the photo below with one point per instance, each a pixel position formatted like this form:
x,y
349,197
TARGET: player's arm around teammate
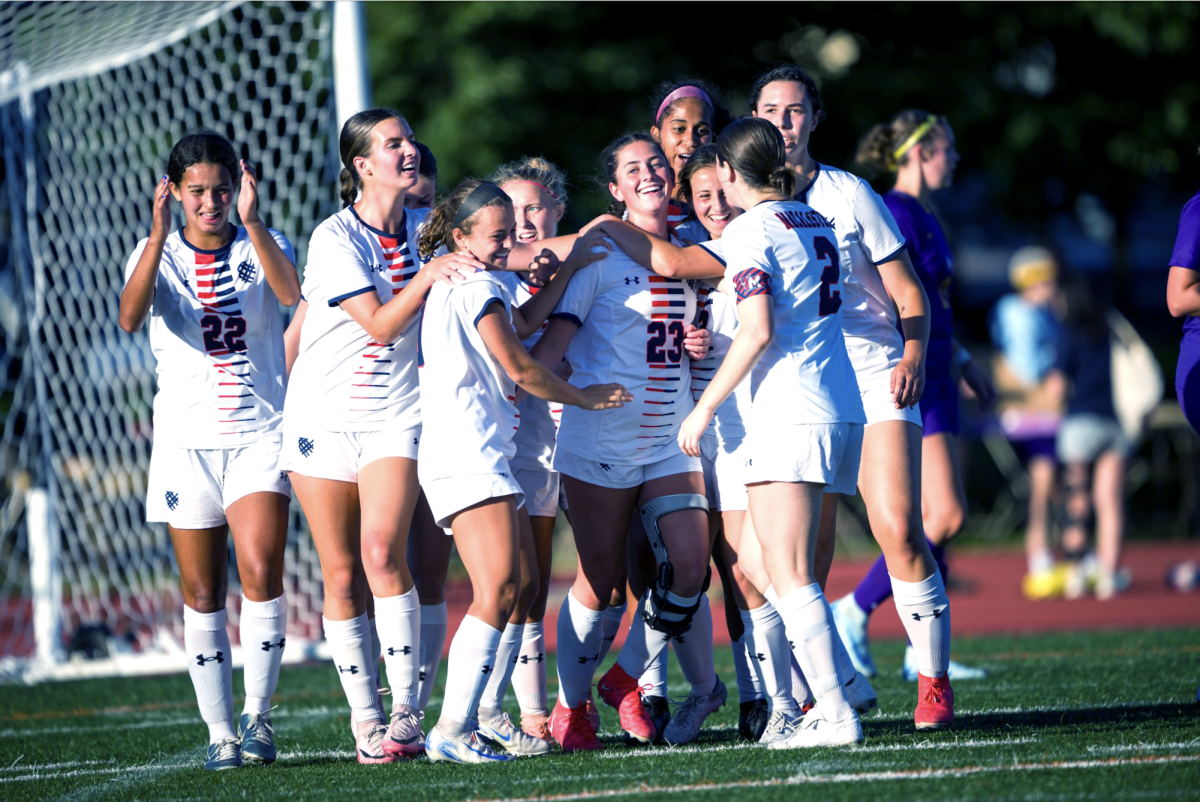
x,y
211,292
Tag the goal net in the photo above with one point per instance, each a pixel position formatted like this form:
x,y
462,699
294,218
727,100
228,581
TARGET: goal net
x,y
92,96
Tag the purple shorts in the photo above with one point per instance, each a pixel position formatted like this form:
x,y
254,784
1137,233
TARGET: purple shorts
x,y
1035,447
939,407
1187,385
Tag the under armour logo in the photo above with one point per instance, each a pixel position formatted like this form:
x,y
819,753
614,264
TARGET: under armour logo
x,y
422,677
416,441
632,280
526,659
283,477
593,659
749,462
606,466
172,500
486,669
375,268
505,475
201,659
306,447
760,657
246,271
268,646
402,650
934,614
350,670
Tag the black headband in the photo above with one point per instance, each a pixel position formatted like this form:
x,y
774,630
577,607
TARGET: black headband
x,y
481,196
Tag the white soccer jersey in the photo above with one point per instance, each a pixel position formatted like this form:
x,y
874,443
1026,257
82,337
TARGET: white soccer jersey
x,y
631,333
469,418
217,335
867,235
720,317
539,418
787,250
344,381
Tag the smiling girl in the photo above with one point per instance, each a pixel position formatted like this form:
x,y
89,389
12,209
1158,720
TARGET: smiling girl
x,y
211,290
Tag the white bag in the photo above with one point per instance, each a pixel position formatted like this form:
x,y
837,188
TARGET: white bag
x,y
1137,379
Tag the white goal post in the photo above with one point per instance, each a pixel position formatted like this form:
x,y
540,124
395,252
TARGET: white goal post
x,y
92,96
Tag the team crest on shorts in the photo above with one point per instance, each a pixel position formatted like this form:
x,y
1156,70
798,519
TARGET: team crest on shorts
x,y
306,447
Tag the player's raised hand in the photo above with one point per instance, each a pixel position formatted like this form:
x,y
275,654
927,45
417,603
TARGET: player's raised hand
x,y
248,196
696,341
160,224
605,396
453,268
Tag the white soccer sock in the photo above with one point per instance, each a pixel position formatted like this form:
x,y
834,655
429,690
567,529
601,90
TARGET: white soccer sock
x,y
642,644
750,686
653,681
694,651
610,625
472,661
433,643
506,662
263,630
767,642
800,690
398,621
350,644
809,623
210,665
841,657
924,609
579,634
529,676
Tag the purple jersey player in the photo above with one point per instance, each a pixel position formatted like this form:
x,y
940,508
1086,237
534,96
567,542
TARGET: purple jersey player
x,y
1183,299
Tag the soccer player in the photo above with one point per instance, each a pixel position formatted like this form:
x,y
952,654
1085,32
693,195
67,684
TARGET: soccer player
x,y
618,321
885,318
211,291
684,118
472,362
352,422
918,148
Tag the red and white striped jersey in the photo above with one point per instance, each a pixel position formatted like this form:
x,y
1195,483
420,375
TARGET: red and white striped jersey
x,y
343,380
631,328
539,418
217,334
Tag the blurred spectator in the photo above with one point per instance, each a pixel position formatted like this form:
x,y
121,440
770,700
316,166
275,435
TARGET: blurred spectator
x,y
1025,326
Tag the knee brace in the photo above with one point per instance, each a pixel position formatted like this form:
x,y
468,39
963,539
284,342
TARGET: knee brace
x,y
661,613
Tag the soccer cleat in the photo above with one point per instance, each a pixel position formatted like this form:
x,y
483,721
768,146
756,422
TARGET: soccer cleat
x,y
404,737
571,729
503,733
780,726
1109,584
258,738
659,712
851,624
467,748
368,743
753,715
621,691
593,714
684,726
956,670
860,694
224,754
816,730
935,703
537,725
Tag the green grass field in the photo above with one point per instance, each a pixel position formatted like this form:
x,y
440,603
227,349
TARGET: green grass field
x,y
1062,717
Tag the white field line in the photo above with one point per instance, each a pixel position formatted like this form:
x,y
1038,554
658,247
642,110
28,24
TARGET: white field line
x,y
173,721
864,776
124,779
38,771
701,749
1143,747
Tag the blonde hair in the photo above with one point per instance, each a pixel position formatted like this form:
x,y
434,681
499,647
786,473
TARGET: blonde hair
x,y
537,171
886,147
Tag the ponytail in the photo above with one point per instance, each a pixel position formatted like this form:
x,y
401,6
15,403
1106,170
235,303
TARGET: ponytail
x,y
886,147
755,150
355,141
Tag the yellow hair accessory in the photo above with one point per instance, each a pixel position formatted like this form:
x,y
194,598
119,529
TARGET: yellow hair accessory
x,y
914,138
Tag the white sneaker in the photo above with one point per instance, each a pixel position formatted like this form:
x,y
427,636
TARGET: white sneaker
x,y
851,624
368,743
467,748
860,694
684,726
955,670
511,738
780,726
816,730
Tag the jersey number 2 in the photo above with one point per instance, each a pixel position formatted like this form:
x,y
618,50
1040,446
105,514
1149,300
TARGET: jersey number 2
x,y
660,331
228,340
831,299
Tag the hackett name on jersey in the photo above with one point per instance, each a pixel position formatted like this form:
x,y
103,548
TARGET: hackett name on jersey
x,y
796,219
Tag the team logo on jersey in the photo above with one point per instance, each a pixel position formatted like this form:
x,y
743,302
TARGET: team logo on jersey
x,y
350,670
526,659
934,614
402,650
751,282
172,500
218,657
246,271
268,646
306,447
632,280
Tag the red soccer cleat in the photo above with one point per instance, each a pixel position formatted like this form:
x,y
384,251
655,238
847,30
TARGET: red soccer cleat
x,y
593,715
622,691
935,703
570,727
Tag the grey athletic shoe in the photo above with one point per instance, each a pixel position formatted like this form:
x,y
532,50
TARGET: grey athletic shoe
x,y
224,754
780,726
258,738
